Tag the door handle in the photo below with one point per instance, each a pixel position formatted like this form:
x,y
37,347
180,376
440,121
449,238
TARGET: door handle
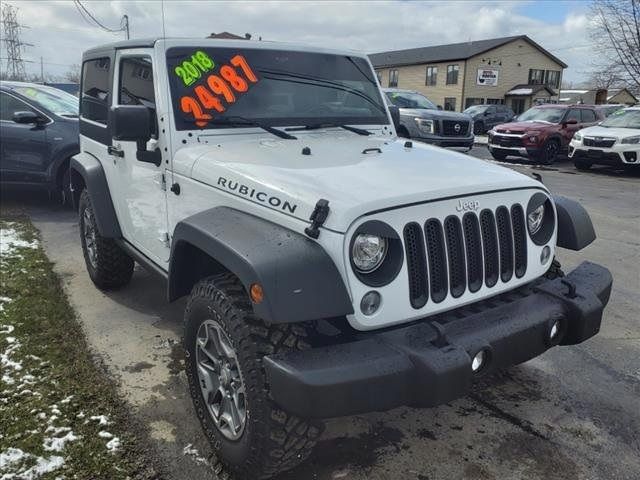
x,y
115,151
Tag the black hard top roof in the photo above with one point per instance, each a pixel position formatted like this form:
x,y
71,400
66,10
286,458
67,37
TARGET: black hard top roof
x,y
109,48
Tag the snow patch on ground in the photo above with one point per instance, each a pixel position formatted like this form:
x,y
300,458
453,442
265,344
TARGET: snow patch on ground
x,y
101,419
57,444
192,452
113,445
15,458
10,241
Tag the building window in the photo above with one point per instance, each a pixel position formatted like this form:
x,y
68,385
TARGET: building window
x,y
495,101
379,76
552,78
452,74
517,105
450,104
393,78
536,77
432,76
471,101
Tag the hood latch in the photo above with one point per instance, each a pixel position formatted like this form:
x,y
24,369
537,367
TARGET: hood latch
x,y
318,217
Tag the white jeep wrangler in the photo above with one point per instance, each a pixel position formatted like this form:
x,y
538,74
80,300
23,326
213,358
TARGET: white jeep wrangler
x,y
331,267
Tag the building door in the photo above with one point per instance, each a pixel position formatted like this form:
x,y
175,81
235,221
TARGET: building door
x,y
517,105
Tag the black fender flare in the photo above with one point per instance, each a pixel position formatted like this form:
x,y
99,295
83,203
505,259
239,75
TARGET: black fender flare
x,y
299,280
90,170
575,230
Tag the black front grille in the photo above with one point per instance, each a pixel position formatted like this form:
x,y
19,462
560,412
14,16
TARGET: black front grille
x,y
599,142
464,253
449,128
506,141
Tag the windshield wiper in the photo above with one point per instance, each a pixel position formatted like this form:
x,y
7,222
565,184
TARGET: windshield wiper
x,y
318,126
235,121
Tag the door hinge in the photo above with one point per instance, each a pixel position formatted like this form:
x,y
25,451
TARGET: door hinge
x,y
163,183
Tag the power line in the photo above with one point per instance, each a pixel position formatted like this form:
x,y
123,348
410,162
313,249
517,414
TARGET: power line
x,y
84,12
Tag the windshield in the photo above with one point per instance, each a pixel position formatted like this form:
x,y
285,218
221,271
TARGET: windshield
x,y
56,101
476,109
211,87
410,100
549,115
623,119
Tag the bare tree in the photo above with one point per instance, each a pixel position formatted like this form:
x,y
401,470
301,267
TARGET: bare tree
x,y
610,76
73,74
616,32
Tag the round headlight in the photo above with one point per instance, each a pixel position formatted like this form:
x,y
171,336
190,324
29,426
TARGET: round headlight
x,y
368,252
534,219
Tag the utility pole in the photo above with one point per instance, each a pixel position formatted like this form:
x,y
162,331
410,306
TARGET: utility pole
x,y
41,70
15,63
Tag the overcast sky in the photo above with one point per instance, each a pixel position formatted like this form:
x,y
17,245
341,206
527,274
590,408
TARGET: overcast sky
x,y
59,33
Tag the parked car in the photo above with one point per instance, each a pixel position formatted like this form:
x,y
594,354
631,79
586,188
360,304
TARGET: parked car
x,y
615,141
608,109
420,119
331,268
39,131
541,133
486,117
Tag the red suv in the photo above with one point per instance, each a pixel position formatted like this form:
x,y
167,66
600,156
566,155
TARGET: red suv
x,y
542,132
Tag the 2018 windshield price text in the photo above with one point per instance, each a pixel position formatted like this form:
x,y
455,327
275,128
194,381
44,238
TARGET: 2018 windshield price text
x,y
224,86
191,70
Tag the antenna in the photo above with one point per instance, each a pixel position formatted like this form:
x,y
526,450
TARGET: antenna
x,y
15,63
169,129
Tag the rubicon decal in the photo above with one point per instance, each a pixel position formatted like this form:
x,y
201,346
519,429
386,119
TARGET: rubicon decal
x,y
260,196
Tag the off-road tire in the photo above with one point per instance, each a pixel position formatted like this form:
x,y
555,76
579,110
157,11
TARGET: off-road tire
x,y
478,128
273,440
498,155
582,165
555,271
113,267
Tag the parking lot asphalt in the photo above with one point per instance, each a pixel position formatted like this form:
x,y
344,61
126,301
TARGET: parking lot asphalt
x,y
573,413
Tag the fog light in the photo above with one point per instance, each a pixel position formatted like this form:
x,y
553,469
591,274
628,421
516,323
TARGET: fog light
x,y
479,360
370,303
545,254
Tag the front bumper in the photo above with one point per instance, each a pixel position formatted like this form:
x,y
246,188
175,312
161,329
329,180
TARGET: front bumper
x,y
442,141
617,155
515,151
429,363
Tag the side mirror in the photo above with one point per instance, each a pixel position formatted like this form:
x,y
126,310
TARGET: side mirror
x,y
439,107
571,121
26,117
486,114
131,123
394,111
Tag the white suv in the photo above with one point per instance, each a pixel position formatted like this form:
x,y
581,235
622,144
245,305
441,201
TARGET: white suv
x,y
615,141
331,267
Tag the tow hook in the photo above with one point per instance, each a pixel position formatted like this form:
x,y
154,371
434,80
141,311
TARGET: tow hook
x,y
318,217
572,288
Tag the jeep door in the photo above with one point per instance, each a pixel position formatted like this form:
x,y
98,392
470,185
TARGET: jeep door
x,y
24,152
138,187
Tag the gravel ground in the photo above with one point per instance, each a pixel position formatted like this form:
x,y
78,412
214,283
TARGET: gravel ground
x,y
573,413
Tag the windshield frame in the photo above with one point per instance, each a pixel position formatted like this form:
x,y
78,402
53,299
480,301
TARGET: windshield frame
x,y
174,53
621,113
46,90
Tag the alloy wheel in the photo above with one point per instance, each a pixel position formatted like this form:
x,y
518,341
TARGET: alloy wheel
x,y
220,380
89,232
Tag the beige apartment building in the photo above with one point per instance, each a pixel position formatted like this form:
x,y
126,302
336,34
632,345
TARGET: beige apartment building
x,y
515,71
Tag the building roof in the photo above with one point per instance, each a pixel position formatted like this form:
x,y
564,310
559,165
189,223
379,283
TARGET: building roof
x,y
615,91
453,51
524,90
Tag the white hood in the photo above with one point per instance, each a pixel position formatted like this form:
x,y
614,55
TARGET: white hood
x,y
353,182
613,132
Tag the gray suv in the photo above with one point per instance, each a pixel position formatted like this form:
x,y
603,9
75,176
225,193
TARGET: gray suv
x,y
420,119
486,117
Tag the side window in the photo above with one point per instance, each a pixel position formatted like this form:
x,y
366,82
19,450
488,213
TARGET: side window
x,y
96,88
491,110
574,114
588,116
136,82
10,105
